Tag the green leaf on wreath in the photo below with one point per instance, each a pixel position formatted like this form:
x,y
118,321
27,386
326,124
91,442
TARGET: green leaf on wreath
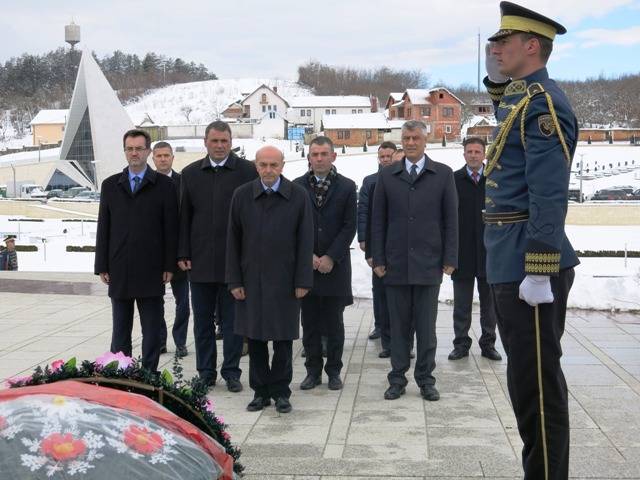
x,y
112,365
70,366
166,377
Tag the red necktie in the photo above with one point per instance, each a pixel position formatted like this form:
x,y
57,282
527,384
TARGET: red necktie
x,y
474,175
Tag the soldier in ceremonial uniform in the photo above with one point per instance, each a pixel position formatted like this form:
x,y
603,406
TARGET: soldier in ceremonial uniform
x,y
529,258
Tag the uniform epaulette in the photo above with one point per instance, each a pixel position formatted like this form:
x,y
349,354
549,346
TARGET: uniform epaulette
x,y
495,90
534,89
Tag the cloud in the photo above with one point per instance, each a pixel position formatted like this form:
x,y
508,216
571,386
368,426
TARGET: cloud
x,y
597,37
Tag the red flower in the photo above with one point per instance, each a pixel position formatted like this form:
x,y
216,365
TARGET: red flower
x,y
62,447
142,440
3,423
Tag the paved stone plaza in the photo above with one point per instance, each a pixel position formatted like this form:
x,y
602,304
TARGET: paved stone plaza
x,y
355,433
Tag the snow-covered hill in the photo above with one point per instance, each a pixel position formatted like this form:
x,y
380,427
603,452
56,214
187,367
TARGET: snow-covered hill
x,y
204,101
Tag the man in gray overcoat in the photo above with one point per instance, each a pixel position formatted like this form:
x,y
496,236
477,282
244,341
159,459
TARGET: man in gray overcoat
x,y
269,269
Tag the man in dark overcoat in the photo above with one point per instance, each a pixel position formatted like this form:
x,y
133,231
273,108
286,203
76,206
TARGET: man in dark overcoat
x,y
207,187
471,256
414,235
269,269
333,198
162,156
365,207
136,245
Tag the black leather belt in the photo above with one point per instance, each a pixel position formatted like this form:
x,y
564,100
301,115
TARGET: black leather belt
x,y
503,218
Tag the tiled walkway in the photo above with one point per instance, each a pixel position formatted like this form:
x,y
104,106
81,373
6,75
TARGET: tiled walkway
x,y
355,433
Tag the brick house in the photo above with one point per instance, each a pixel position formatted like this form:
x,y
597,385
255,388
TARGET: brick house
x,y
353,130
437,107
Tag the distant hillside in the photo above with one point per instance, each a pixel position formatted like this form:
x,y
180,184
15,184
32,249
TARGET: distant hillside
x,y
201,102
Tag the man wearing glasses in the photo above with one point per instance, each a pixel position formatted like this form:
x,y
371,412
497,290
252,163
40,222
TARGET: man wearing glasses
x,y
136,246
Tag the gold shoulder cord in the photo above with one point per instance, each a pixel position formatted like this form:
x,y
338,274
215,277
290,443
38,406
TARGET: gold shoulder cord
x,y
496,148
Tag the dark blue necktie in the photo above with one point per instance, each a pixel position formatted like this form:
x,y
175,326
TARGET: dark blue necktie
x,y
136,184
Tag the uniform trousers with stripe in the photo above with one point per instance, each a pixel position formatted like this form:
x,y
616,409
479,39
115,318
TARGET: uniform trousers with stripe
x,y
516,324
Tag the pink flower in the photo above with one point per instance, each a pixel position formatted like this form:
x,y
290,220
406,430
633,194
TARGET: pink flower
x,y
209,406
62,447
220,419
108,357
17,381
57,365
226,436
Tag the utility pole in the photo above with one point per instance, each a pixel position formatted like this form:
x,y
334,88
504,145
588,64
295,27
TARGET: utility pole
x,y
478,60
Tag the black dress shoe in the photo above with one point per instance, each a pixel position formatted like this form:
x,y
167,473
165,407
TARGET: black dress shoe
x,y
375,334
394,392
258,403
386,353
163,349
209,382
181,352
335,383
283,405
309,382
430,393
234,385
491,353
458,353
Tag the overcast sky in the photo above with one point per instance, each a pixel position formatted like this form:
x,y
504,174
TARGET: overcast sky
x,y
251,38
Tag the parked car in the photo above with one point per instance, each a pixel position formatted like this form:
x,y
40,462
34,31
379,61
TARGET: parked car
x,y
612,194
73,192
87,195
574,195
55,193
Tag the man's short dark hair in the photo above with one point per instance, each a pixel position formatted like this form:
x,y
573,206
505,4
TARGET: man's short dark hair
x,y
546,44
137,133
321,140
478,140
163,145
390,145
218,126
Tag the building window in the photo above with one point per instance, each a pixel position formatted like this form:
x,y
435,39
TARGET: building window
x,y
447,129
263,98
408,115
302,112
340,135
369,135
353,110
359,110
333,111
264,108
447,111
327,112
275,108
425,111
269,107
441,96
483,109
428,128
347,134
308,113
272,115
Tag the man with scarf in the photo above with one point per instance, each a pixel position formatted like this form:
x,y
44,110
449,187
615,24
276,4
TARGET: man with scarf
x,y
333,197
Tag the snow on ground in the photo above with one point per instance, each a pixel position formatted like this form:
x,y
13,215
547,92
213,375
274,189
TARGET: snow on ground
x,y
206,100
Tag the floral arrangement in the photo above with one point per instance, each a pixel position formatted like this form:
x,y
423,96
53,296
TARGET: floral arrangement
x,y
186,399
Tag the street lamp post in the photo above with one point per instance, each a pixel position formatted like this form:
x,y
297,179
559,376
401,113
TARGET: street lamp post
x,y
581,165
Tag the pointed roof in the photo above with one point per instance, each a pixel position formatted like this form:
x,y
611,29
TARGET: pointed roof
x,y
268,88
50,117
95,126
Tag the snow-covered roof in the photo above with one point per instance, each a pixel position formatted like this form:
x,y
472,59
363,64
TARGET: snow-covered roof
x,y
45,117
477,120
419,96
268,88
355,120
396,95
327,101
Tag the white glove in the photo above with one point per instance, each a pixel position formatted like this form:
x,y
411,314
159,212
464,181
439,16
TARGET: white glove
x,y
536,289
491,64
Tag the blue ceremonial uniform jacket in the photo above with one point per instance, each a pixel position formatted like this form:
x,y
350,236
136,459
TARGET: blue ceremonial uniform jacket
x,y
533,177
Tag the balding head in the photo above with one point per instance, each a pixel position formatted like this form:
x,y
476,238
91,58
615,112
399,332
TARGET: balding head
x,y
270,151
269,163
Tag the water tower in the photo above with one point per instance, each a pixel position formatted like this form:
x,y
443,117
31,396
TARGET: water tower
x,y
72,34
